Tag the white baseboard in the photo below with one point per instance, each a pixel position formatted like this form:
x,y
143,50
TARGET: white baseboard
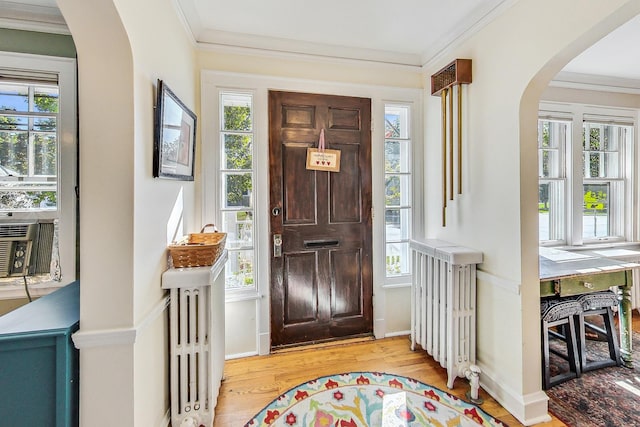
x,y
529,409
398,334
264,340
240,355
379,328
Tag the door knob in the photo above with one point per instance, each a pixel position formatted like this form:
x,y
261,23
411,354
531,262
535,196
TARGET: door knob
x,y
276,211
277,245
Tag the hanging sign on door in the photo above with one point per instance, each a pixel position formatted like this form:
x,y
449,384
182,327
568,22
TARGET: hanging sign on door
x,y
323,159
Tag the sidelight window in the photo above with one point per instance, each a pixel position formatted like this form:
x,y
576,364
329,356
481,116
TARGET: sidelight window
x,y
397,167
237,175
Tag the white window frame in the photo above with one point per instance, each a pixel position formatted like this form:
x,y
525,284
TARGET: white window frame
x,y
223,171
65,211
557,179
577,114
402,278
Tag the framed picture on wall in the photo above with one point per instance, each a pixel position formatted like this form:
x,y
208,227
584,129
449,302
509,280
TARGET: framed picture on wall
x,y
174,137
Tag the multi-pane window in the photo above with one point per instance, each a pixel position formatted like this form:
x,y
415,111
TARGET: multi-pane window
x,y
603,185
552,141
28,146
584,178
397,168
237,174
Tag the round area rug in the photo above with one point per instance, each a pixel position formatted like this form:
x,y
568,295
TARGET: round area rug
x,y
368,399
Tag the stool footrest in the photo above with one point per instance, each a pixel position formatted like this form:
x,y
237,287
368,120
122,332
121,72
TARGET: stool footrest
x,y
609,334
561,313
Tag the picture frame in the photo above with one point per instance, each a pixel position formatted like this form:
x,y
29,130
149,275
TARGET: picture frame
x,y
174,136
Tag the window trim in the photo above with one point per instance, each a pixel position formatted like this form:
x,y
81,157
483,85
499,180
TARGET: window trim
x,y
65,68
399,279
239,293
577,115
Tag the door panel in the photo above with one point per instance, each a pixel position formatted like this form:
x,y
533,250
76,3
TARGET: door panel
x,y
346,205
347,271
297,186
321,285
341,118
301,288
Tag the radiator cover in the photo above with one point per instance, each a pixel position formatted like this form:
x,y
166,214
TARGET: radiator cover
x,y
196,331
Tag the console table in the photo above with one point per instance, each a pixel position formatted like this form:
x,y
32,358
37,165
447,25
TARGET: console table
x,y
39,363
566,273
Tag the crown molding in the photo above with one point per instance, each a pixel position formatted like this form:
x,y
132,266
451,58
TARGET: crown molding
x,y
215,39
187,15
308,57
464,31
30,17
596,83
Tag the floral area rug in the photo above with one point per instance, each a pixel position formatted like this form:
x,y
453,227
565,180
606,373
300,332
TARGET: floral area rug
x,y
607,397
368,399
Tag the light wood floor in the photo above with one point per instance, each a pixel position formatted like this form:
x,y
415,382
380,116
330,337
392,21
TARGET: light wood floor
x,y
251,383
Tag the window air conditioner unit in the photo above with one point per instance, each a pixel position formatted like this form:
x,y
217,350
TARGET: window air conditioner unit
x,y
25,248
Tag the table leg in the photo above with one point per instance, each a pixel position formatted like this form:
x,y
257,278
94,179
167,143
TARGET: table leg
x,y
626,326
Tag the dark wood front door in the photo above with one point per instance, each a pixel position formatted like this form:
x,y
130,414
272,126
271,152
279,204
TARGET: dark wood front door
x,y
321,283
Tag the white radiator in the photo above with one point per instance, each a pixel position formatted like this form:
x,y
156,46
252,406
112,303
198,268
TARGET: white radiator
x,y
196,331
443,309
190,331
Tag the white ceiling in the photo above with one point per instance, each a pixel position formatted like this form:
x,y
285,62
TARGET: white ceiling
x,y
407,32
615,55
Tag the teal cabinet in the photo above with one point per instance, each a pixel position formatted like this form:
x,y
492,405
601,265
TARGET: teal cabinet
x,y
39,363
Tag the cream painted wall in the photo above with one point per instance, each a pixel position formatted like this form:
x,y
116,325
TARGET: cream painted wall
x,y
123,48
241,328
106,161
161,50
497,212
326,70
397,313
151,375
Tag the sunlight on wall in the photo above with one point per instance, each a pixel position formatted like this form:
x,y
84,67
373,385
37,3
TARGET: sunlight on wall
x,y
175,224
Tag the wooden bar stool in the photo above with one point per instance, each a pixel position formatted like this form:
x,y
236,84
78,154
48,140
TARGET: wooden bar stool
x,y
598,304
561,313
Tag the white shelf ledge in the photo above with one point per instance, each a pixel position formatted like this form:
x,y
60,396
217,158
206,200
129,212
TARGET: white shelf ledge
x,y
190,277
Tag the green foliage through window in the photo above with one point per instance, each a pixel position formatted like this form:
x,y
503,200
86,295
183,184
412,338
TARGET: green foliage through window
x,y
236,140
28,146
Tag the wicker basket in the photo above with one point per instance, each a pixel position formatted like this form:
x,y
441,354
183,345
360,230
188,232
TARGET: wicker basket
x,y
198,249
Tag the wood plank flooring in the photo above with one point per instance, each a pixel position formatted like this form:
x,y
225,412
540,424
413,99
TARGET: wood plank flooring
x,y
251,383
